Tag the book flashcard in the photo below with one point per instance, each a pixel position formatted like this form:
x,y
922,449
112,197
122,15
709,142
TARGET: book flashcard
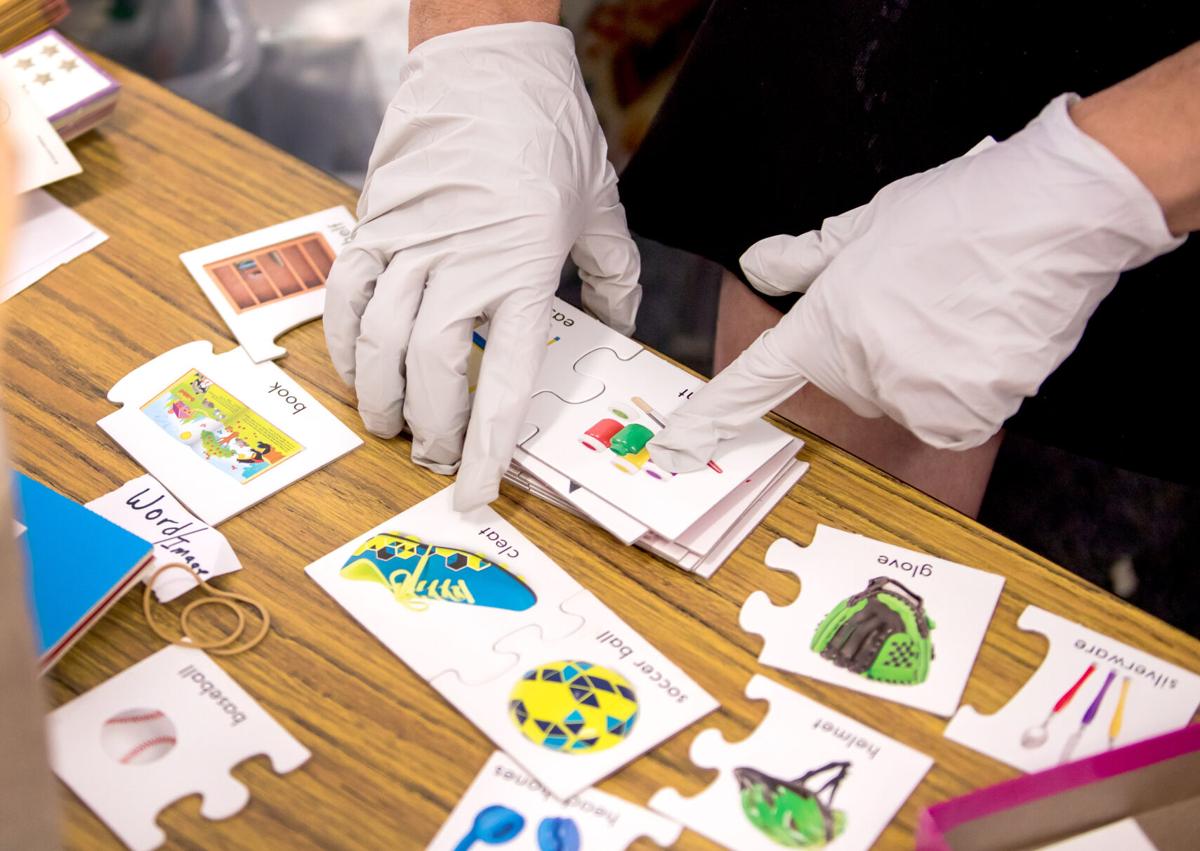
x,y
147,509
807,777
269,281
541,666
876,618
171,726
220,431
1090,694
506,806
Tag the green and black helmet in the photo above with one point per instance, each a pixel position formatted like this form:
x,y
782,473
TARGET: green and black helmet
x,y
788,812
881,632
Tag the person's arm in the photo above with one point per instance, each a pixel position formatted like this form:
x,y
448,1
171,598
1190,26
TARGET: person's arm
x,y
489,170
949,297
28,803
430,18
1151,122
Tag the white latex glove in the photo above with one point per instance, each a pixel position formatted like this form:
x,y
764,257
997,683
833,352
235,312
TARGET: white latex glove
x,y
489,169
945,300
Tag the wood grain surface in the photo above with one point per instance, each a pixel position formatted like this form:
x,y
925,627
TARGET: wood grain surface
x,y
390,758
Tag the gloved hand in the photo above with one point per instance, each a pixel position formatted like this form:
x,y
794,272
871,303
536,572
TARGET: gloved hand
x,y
489,169
946,299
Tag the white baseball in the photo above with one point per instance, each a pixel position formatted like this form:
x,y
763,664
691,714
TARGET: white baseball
x,y
138,736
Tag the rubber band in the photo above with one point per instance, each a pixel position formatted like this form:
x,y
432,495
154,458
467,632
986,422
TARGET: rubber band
x,y
217,597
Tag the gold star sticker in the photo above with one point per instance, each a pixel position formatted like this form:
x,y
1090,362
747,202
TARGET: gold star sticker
x,y
25,64
50,50
68,65
42,79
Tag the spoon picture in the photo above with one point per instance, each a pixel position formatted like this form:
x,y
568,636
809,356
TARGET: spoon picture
x,y
1088,717
494,825
1036,736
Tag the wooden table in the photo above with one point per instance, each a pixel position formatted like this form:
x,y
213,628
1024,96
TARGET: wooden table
x,y
390,759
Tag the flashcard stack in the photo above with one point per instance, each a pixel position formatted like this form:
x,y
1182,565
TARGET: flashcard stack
x,y
145,508
543,668
220,431
876,618
266,282
1091,693
171,726
599,400
506,806
69,89
806,778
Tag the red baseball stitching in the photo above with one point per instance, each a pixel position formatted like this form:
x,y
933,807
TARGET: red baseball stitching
x,y
131,718
159,740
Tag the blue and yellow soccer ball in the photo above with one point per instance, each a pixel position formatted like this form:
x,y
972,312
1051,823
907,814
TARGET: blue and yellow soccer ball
x,y
573,707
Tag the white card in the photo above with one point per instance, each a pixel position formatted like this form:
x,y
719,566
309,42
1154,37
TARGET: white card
x,y
925,619
147,509
171,726
221,432
598,398
505,800
42,157
568,433
269,281
46,235
806,777
475,624
1107,694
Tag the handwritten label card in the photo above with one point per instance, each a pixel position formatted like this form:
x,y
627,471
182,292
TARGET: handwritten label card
x,y
145,508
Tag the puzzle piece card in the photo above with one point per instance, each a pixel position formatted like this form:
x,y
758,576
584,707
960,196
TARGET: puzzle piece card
x,y
598,399
269,281
171,726
439,588
576,708
1090,694
562,489
506,801
573,335
876,618
807,777
147,509
549,673
601,443
706,565
220,431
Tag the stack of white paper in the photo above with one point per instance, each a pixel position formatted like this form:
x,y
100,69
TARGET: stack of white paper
x,y
600,398
47,235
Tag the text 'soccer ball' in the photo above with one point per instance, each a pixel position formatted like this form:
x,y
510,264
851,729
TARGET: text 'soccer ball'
x,y
573,707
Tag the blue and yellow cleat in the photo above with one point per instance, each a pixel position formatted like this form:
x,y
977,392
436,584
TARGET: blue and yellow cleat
x,y
416,573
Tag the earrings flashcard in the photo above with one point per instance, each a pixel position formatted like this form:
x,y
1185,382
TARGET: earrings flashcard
x,y
541,666
221,432
805,778
876,618
1091,693
171,726
266,282
507,807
